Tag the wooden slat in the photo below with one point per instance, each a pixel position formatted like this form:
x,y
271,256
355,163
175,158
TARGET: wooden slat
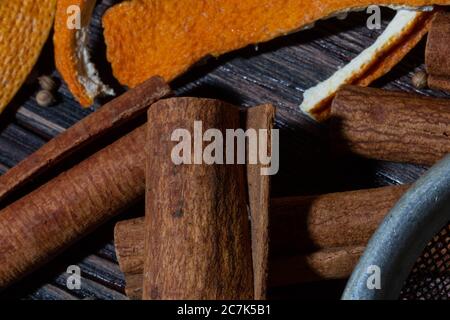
x,y
51,292
16,143
103,271
38,124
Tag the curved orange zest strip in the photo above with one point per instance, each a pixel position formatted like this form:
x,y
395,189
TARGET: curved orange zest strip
x,y
379,64
71,53
165,37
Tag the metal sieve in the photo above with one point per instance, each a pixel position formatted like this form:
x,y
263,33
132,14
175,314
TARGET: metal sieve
x,y
408,256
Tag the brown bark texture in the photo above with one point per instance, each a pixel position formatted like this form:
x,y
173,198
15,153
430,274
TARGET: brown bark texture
x,y
259,118
389,125
311,238
311,223
43,223
197,231
437,52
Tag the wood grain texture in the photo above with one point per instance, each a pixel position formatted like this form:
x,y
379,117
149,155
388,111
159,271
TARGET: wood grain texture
x,y
388,125
197,230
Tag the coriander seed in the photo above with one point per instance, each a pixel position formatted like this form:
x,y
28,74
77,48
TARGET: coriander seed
x,y
47,83
420,80
44,98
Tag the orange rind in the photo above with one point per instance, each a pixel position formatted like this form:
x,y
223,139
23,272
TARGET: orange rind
x,y
166,37
402,34
24,29
72,56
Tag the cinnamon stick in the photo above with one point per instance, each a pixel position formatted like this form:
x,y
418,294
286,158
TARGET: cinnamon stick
x,y
318,236
38,226
343,219
96,125
43,223
389,125
327,264
197,232
437,53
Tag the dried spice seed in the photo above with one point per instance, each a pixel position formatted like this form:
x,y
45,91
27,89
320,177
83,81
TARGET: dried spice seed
x,y
420,80
44,98
47,83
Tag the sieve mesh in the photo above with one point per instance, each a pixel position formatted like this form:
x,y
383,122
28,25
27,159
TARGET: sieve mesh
x,y
430,277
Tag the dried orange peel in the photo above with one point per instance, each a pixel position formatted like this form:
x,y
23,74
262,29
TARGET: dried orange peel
x,y
24,29
72,56
165,37
402,34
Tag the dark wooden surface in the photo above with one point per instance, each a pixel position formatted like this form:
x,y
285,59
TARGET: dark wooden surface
x,y
277,72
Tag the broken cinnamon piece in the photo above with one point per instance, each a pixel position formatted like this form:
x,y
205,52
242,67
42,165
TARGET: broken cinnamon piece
x,y
197,233
437,53
389,125
401,35
302,229
259,118
99,123
129,241
72,55
24,29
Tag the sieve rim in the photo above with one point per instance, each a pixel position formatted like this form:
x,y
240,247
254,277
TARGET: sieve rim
x,y
402,236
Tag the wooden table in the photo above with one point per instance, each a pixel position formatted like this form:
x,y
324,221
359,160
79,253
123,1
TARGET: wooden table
x,y
277,72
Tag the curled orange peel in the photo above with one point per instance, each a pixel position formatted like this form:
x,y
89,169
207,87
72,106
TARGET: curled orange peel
x,y
72,56
24,29
403,33
165,37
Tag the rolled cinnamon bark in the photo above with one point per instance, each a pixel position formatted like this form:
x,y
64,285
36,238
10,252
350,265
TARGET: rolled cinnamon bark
x,y
311,238
126,107
344,219
388,125
45,222
437,52
197,232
